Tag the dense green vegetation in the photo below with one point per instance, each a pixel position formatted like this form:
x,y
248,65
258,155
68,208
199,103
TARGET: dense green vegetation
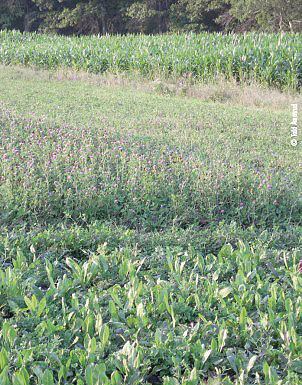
x,y
273,60
153,247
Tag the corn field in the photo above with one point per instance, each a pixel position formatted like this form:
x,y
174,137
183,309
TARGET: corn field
x,y
273,60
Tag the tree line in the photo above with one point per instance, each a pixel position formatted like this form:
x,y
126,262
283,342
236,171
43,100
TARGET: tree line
x,y
86,17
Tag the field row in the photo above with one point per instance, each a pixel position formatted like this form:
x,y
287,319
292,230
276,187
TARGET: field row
x,y
273,60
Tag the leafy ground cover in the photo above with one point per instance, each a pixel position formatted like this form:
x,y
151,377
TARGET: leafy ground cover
x,y
146,239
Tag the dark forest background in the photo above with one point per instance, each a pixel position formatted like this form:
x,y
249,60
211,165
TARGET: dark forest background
x,y
85,17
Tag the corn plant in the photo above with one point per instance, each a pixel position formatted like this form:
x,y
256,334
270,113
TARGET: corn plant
x,y
269,59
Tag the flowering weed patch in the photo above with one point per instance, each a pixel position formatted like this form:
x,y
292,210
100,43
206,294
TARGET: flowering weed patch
x,y
183,163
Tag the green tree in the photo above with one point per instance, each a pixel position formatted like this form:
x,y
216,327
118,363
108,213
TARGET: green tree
x,y
81,17
148,16
18,14
67,16
268,15
195,15
236,15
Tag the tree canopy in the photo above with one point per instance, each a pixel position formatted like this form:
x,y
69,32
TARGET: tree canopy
x,y
76,17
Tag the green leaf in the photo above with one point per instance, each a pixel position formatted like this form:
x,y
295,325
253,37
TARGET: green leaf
x,y
251,363
89,377
21,377
9,333
49,268
4,379
226,251
29,304
38,371
112,309
243,318
105,334
232,362
62,373
41,306
206,355
25,375
296,366
17,379
266,371
47,378
214,345
157,336
225,292
222,338
116,378
92,345
193,375
3,359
